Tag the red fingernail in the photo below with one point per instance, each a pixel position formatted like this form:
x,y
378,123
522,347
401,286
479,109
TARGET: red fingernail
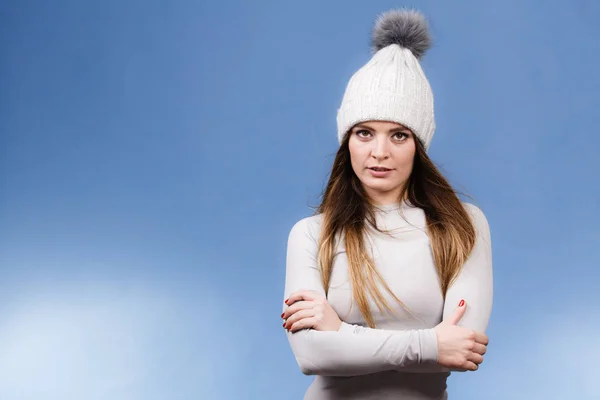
x,y
286,300
462,303
283,325
282,314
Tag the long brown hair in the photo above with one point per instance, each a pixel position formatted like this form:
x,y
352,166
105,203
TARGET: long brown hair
x,y
346,209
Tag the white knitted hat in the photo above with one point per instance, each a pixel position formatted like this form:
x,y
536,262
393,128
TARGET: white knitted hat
x,y
392,85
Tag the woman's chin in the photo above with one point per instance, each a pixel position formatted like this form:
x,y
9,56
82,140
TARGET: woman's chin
x,y
381,187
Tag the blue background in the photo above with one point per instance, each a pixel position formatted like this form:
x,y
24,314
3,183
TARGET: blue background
x,y
154,156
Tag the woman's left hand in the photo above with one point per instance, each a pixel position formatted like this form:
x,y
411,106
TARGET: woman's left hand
x,y
308,309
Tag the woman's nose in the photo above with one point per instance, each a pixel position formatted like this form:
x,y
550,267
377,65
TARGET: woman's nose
x,y
379,150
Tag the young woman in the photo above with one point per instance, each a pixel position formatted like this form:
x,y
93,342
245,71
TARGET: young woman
x,y
389,285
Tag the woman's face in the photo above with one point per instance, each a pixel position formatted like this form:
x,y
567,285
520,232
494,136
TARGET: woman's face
x,y
382,155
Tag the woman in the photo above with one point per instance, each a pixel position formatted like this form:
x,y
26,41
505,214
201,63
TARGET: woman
x,y
389,285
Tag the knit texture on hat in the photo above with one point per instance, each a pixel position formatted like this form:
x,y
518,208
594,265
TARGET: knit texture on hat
x,y
392,86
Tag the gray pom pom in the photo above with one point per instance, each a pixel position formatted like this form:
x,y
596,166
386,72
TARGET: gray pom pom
x,y
407,28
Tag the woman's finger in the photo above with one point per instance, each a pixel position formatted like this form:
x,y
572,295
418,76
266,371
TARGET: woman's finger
x,y
297,306
470,366
299,315
476,358
304,323
480,348
458,369
482,338
302,295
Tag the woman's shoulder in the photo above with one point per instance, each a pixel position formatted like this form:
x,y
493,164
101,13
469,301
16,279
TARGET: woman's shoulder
x,y
477,216
308,227
472,209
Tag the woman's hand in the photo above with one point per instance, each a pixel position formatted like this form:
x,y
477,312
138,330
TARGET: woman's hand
x,y
460,348
307,309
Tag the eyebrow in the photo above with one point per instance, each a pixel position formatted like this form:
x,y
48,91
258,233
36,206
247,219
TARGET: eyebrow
x,y
400,129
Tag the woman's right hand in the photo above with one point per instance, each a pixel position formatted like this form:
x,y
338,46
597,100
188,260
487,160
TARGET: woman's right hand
x,y
460,348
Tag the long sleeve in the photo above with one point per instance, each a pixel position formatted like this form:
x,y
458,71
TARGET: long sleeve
x,y
475,282
353,350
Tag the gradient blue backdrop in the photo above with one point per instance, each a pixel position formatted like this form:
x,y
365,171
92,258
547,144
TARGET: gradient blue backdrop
x,y
154,156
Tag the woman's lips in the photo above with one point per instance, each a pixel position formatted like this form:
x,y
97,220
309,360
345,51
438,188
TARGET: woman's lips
x,y
379,172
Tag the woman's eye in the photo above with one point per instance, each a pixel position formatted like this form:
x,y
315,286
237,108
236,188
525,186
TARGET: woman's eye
x,y
362,133
401,135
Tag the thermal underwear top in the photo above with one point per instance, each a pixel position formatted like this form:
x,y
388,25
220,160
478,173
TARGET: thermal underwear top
x,y
398,358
